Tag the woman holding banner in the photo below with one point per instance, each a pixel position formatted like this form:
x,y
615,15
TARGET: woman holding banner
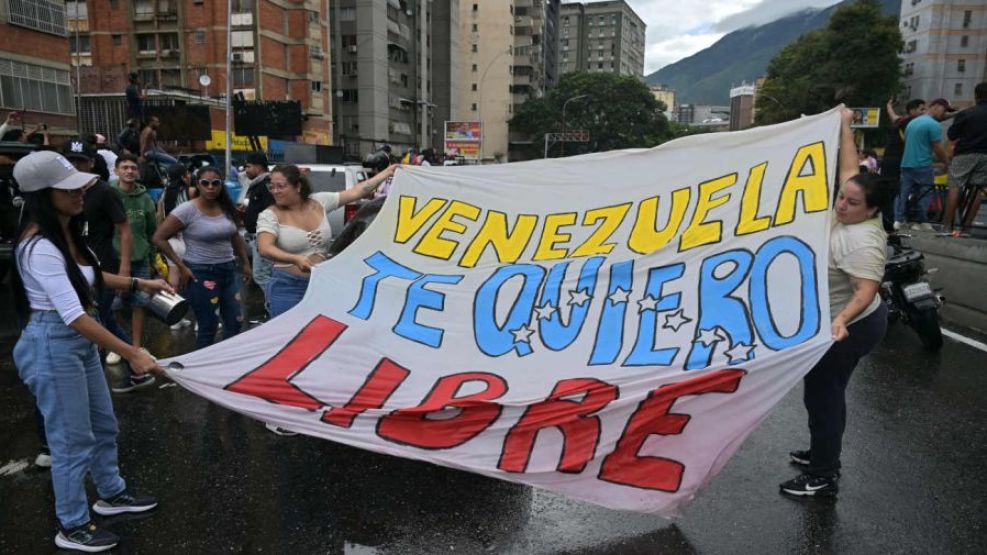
x,y
857,254
294,232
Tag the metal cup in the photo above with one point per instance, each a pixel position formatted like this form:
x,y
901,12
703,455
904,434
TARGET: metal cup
x,y
167,307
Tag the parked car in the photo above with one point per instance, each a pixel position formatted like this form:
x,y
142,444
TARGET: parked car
x,y
334,178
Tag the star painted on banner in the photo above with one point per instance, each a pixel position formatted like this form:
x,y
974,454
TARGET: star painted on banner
x,y
740,353
708,337
676,320
647,303
545,312
579,297
522,334
619,295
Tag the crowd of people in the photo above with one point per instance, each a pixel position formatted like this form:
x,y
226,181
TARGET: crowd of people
x,y
914,144
91,234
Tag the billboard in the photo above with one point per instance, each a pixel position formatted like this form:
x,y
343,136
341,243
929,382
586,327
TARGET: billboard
x,y
463,138
866,118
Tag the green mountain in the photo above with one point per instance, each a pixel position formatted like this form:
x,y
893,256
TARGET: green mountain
x,y
743,55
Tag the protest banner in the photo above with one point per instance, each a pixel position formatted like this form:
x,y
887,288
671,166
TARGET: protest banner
x,y
608,326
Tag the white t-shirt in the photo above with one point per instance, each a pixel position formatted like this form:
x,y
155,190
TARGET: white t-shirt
x,y
295,240
42,268
856,250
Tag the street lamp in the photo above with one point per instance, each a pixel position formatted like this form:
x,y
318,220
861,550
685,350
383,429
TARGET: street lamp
x,y
564,104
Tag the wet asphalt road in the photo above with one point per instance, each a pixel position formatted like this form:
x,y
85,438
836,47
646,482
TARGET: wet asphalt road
x,y
913,480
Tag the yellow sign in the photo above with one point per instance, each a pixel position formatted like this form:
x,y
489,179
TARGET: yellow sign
x,y
866,118
316,137
218,142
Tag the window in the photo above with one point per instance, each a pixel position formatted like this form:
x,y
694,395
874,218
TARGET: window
x,y
31,87
474,86
41,15
961,66
168,41
348,40
474,68
243,77
347,14
350,95
474,28
958,89
199,37
474,48
144,9
349,68
967,18
117,40
146,44
81,46
473,107
476,7
316,86
964,41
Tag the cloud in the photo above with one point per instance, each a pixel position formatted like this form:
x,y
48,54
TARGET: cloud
x,y
766,12
679,28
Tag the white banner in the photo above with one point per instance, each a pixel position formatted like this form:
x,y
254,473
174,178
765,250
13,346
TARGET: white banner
x,y
609,326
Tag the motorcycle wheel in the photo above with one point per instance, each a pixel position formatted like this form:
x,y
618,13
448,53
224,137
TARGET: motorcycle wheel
x,y
926,323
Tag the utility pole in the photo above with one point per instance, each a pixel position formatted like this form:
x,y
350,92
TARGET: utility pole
x,y
229,87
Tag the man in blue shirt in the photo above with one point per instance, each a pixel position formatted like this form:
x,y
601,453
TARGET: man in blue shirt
x,y
923,137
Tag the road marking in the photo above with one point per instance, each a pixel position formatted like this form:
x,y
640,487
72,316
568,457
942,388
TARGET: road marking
x,y
13,467
964,339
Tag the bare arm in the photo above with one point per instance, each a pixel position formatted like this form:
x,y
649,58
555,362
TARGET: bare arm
x,y
89,328
890,109
849,164
126,246
940,152
366,188
864,291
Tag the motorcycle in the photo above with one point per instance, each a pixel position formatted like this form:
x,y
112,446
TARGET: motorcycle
x,y
909,296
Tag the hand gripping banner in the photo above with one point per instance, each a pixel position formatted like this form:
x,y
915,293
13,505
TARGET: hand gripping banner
x,y
609,326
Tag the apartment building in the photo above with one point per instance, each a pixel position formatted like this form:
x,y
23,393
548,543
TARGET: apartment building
x,y
742,106
388,66
945,52
279,50
35,73
601,36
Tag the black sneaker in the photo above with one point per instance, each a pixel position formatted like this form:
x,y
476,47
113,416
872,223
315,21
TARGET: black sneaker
x,y
801,458
88,537
131,383
125,502
809,485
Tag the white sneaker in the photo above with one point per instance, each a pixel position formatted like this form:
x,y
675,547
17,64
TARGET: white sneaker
x,y
925,226
897,226
113,358
43,460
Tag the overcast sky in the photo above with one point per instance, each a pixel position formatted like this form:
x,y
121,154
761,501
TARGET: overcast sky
x,y
680,28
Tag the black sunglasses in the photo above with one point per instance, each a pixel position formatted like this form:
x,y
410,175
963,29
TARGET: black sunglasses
x,y
210,183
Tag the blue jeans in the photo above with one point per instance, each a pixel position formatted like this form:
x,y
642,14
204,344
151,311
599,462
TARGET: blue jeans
x,y
918,182
62,370
284,291
215,286
107,317
160,156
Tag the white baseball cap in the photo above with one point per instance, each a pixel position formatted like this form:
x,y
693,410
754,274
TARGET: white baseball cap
x,y
44,169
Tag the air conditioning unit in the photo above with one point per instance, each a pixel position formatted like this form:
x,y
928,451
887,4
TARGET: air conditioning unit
x,y
352,49
238,56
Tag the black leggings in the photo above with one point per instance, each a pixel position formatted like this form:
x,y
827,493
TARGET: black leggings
x,y
825,390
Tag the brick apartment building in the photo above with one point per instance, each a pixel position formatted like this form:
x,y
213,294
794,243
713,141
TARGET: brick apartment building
x,y
34,64
279,50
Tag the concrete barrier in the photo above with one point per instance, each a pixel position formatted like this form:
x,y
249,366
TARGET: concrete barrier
x,y
962,275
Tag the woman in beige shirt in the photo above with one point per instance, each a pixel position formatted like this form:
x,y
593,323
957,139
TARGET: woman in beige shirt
x,y
857,254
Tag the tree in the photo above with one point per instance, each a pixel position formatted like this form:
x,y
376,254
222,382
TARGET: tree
x,y
854,60
618,111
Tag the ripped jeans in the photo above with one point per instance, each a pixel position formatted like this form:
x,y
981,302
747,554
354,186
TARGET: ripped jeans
x,y
215,286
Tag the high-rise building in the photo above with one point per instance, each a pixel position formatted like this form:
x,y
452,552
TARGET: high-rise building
x,y
384,53
666,96
601,36
508,56
34,64
945,53
279,50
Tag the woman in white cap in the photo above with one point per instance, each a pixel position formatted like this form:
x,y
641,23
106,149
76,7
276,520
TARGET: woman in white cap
x,y
57,355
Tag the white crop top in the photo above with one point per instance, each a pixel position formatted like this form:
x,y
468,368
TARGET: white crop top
x,y
48,286
295,240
